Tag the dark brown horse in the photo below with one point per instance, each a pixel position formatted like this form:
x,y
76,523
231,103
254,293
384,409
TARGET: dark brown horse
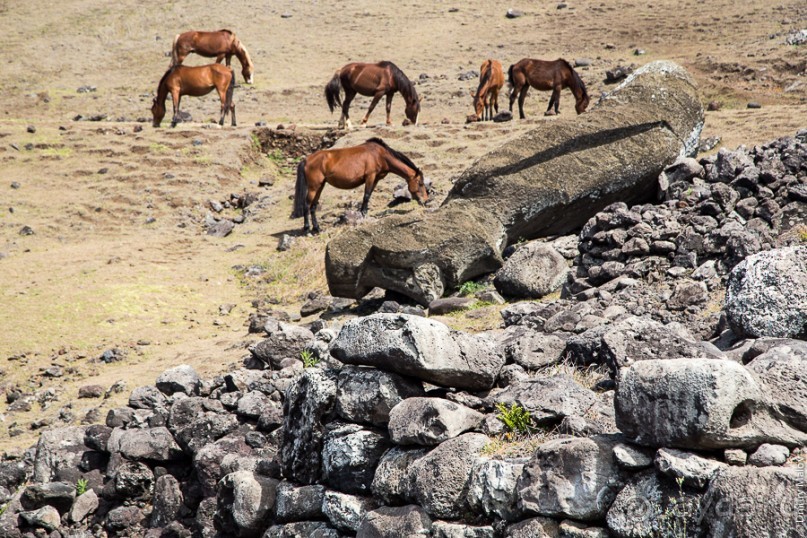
x,y
542,75
376,80
196,81
222,44
486,98
348,168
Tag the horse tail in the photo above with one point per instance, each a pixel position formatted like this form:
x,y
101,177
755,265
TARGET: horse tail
x,y
332,90
300,192
174,54
510,82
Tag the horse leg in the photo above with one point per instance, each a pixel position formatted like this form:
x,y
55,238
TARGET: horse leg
x,y
344,121
373,103
389,107
553,101
227,59
175,97
521,96
314,204
232,113
369,185
219,58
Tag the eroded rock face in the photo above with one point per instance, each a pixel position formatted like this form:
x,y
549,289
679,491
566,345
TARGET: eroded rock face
x,y
769,510
492,488
539,184
533,271
350,455
391,522
366,395
697,404
421,348
767,294
548,399
576,478
430,421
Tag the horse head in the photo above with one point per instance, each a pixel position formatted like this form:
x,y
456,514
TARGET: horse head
x,y
479,106
413,110
581,104
157,112
417,187
246,71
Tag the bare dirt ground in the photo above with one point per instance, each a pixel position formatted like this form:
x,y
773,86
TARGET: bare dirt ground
x,y
119,257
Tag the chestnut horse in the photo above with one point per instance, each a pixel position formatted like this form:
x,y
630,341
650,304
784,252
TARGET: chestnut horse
x,y
546,75
196,81
348,168
486,98
219,45
376,80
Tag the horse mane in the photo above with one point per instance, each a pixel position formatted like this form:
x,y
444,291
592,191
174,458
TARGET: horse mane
x,y
227,31
164,77
485,76
577,79
397,154
405,85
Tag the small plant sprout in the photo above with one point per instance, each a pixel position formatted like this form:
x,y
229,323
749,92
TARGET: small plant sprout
x,y
516,418
470,288
81,486
308,358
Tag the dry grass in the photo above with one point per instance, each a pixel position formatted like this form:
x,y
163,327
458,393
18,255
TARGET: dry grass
x,y
511,445
587,376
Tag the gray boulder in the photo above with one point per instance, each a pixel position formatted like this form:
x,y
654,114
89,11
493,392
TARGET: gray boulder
x,y
151,444
394,481
58,454
692,469
766,294
539,184
781,372
182,378
419,347
133,480
531,349
84,505
59,495
346,512
124,517
768,455
214,460
245,500
634,339
366,395
167,501
46,518
536,527
632,458
442,475
696,404
575,529
430,421
284,341
444,529
298,503
533,271
302,529
395,521
574,478
548,399
492,488
350,455
147,397
196,422
754,501
308,405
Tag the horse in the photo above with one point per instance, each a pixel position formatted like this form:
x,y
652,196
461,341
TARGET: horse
x,y
222,44
196,81
546,75
348,168
486,98
376,80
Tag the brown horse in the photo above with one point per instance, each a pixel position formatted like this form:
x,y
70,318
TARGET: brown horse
x,y
196,81
376,80
348,168
486,98
219,45
542,75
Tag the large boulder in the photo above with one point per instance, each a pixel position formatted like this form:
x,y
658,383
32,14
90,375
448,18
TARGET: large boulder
x,y
394,481
548,399
767,294
697,404
147,444
350,455
395,521
309,404
541,183
533,271
298,503
576,478
755,501
366,395
182,378
492,488
782,372
244,502
58,454
284,341
419,347
442,475
430,421
197,422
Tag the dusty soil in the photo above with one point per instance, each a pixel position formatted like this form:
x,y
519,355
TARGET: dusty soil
x,y
119,257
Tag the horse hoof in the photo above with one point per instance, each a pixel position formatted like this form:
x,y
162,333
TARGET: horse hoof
x,y
549,113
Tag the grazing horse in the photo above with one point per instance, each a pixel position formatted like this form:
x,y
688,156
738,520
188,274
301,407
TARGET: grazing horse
x,y
542,75
376,80
348,168
219,45
486,98
196,81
